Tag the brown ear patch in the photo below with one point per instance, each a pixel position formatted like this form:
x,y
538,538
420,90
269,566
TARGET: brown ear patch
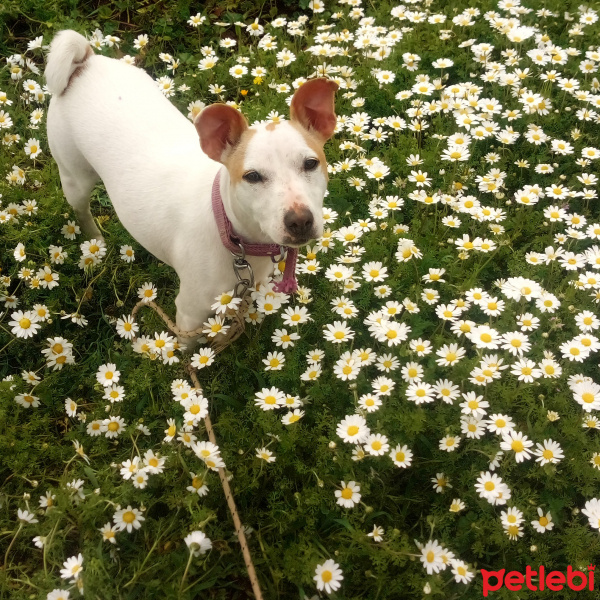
x,y
220,128
315,144
313,106
234,159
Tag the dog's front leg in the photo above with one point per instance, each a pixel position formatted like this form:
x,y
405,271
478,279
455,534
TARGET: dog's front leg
x,y
192,311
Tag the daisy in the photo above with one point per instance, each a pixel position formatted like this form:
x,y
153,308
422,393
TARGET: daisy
x,y
370,402
47,278
525,370
402,456
198,486
72,568
269,398
420,393
527,322
203,358
440,483
32,148
338,332
485,337
126,327
421,347
377,444
500,424
449,354
128,518
446,390
328,576
488,485
516,343
107,374
457,505
109,533
292,417
113,426
449,443
574,351
518,443
377,533
353,429
388,362
514,532
312,373
140,479
349,494
147,292
474,405
472,427
391,332
461,572
431,557
543,523
549,452
198,543
512,516
24,324
274,361
587,394
265,455
127,254
27,400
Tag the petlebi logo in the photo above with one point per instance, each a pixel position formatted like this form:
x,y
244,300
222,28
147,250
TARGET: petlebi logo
x,y
539,580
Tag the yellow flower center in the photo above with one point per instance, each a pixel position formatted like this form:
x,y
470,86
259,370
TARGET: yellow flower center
x,y
129,516
517,446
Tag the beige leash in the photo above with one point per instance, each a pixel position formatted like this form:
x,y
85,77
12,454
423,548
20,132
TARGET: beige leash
x,y
236,329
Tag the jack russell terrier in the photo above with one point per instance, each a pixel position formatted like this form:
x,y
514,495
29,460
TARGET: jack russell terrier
x,y
108,120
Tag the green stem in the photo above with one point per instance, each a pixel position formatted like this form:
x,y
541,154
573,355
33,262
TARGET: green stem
x,y
187,567
10,547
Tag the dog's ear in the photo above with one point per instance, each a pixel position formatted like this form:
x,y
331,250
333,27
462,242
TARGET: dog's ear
x,y
313,106
220,127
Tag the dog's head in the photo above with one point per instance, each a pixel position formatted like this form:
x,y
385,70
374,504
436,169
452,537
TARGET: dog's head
x,y
277,171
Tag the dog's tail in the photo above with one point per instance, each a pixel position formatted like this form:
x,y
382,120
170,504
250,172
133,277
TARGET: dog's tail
x,y
68,52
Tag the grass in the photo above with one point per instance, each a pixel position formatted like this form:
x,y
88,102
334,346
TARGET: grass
x,y
290,504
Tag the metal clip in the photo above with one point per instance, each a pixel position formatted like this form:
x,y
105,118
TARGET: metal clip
x,y
282,255
244,280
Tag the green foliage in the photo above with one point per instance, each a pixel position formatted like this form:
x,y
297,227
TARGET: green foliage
x,y
290,504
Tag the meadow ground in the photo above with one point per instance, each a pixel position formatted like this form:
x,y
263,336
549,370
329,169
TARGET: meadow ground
x,y
423,408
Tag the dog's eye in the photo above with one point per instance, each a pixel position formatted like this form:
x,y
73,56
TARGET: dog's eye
x,y
252,177
310,164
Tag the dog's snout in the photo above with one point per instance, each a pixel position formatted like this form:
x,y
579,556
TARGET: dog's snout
x,y
299,222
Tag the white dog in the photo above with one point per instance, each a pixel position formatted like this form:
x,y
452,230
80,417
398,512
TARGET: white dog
x,y
108,120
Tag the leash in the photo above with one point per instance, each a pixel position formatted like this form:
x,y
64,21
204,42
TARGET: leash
x,y
245,280
236,329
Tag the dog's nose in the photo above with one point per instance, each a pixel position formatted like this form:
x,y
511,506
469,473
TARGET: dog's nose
x,y
299,222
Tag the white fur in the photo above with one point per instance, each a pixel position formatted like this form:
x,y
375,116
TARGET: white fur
x,y
113,123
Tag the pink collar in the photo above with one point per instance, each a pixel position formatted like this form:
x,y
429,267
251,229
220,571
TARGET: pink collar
x,y
232,241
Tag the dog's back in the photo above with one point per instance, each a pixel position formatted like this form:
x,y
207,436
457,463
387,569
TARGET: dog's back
x,y
109,120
